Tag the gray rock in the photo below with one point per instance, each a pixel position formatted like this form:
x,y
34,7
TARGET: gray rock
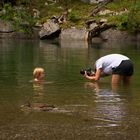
x,y
49,30
6,27
93,1
97,40
113,34
74,43
74,34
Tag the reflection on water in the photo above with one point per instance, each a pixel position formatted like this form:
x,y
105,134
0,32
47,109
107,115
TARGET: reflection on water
x,y
38,88
110,108
84,110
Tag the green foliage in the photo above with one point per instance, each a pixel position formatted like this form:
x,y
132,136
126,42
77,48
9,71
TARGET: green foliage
x,y
120,21
79,12
120,5
21,18
73,17
128,21
7,12
134,18
65,3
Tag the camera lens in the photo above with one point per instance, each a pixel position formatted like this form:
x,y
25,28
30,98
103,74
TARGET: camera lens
x,y
82,72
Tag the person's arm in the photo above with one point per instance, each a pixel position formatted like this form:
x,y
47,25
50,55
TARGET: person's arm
x,y
95,77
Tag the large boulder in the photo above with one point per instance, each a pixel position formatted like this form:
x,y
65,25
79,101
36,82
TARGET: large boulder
x,y
74,34
74,44
113,34
49,30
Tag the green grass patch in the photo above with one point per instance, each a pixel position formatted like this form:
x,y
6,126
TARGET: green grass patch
x,y
79,12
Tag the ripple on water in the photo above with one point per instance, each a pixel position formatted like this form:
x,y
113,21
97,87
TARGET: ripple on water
x,y
109,110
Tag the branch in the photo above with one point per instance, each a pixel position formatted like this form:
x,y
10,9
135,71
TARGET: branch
x,y
99,7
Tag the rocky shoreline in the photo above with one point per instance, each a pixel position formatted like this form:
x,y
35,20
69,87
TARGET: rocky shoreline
x,y
110,34
75,34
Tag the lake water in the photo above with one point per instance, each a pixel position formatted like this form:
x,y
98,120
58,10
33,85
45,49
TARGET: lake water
x,y
84,110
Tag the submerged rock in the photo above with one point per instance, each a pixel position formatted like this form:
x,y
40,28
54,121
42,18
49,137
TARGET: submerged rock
x,y
37,107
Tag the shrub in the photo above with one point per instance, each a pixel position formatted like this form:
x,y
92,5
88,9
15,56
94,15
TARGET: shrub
x,y
73,17
134,18
20,17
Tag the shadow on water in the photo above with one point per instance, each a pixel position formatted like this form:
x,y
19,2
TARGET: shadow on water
x,y
70,107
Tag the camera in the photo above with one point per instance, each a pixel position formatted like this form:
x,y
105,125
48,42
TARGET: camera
x,y
89,71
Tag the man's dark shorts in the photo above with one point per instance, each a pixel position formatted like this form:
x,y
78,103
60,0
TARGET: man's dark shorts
x,y
125,68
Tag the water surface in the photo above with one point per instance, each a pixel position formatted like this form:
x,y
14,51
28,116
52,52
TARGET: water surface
x,y
85,110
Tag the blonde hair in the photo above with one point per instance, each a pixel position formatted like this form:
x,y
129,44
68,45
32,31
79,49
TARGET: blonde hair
x,y
37,72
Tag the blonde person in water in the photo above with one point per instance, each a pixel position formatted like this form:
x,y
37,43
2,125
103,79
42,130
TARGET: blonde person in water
x,y
38,74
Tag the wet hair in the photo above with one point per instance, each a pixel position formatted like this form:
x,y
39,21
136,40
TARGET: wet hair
x,y
37,72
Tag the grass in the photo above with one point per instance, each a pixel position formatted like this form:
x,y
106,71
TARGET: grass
x,y
80,12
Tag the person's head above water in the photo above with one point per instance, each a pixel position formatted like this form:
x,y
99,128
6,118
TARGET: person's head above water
x,y
38,74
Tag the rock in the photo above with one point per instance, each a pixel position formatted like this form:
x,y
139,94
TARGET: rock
x,y
93,1
74,43
42,107
49,30
105,12
113,34
109,12
74,34
6,27
93,26
97,40
99,6
103,20
97,30
37,107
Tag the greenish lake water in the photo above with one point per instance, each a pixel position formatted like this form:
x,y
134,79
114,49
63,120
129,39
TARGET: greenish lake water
x,y
84,110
